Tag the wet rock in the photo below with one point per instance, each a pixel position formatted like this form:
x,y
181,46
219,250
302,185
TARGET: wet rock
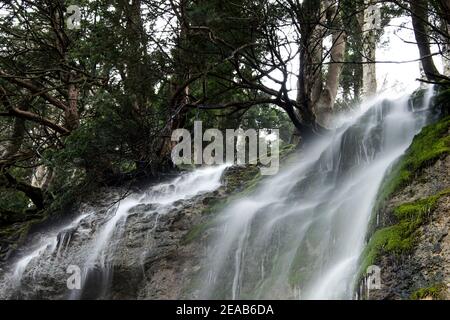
x,y
143,208
428,264
147,258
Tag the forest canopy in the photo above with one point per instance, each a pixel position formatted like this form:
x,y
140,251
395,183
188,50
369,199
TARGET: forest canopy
x,y
90,91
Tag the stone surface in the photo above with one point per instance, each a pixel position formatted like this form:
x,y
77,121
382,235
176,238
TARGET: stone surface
x,y
152,258
428,264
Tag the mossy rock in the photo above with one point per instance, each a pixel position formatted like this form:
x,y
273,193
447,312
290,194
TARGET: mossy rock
x,y
401,237
434,292
429,145
15,235
239,182
442,100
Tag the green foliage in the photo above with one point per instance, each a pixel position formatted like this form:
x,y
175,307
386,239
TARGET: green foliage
x,y
401,237
442,100
14,204
12,201
434,292
352,73
267,117
239,183
429,145
196,231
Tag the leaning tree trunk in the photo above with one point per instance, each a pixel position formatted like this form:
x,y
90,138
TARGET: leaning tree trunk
x,y
419,16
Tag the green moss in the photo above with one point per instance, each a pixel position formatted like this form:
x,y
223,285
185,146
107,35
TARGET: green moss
x,y
417,97
442,100
17,233
430,144
238,176
196,231
286,150
303,264
401,237
398,238
434,292
239,184
416,210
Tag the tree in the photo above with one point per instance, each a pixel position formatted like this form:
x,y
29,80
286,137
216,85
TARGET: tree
x,y
97,105
40,88
371,23
426,17
419,16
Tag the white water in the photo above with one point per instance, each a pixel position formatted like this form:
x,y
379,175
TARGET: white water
x,y
164,196
302,233
97,251
48,244
299,236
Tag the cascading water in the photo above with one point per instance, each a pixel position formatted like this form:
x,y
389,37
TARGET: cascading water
x,y
300,235
91,240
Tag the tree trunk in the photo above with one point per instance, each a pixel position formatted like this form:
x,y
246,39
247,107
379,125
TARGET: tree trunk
x,y
71,116
419,16
35,194
369,29
323,100
179,84
445,9
15,142
446,48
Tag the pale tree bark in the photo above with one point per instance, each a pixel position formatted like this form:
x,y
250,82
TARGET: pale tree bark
x,y
446,48
323,101
42,177
62,44
317,90
370,26
71,115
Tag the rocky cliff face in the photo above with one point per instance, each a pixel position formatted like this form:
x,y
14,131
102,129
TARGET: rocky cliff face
x,y
170,271
410,240
156,258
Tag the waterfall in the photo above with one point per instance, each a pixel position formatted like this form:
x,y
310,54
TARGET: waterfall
x,y
301,234
92,238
